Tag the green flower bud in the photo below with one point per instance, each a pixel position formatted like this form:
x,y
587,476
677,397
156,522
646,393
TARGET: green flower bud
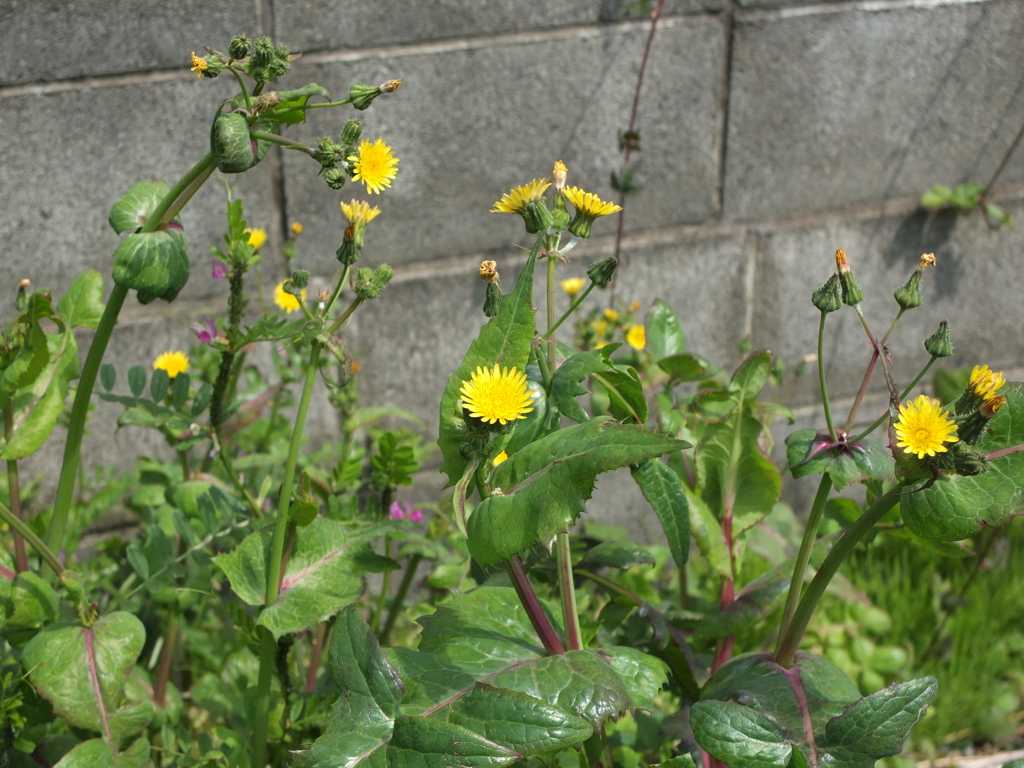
x,y
239,47
939,344
369,283
909,296
828,298
300,278
213,67
348,253
351,132
21,300
262,52
852,294
602,272
559,215
335,178
537,216
492,299
329,154
363,95
967,461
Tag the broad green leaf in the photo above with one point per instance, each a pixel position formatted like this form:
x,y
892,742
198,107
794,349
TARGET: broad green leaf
x,y
322,577
31,602
740,736
877,725
616,554
954,507
708,535
82,305
663,490
135,206
936,197
545,485
733,472
566,383
96,753
751,376
687,367
526,430
505,340
627,401
665,336
753,603
83,671
865,460
291,100
155,264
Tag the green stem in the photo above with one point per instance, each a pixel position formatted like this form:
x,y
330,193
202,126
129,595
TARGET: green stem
x,y
14,493
566,590
885,415
336,325
274,138
268,663
80,409
790,641
29,535
382,598
796,582
821,381
611,586
398,603
572,307
549,337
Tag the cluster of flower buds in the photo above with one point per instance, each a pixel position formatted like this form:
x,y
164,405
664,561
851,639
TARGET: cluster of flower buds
x,y
369,283
333,156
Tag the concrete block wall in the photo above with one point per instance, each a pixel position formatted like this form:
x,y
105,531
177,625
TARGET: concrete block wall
x,y
773,132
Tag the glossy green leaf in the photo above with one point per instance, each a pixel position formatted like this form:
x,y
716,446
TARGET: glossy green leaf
x,y
324,572
545,485
616,554
954,507
155,264
96,753
663,490
865,460
665,336
740,736
751,376
566,383
83,671
877,725
505,340
626,399
82,305
133,209
30,603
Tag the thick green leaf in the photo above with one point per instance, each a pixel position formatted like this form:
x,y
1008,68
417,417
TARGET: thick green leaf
x,y
687,367
877,725
96,753
865,460
291,100
136,205
34,353
566,383
740,736
627,401
322,577
665,336
751,376
545,485
30,603
663,490
136,379
83,671
155,264
954,507
108,376
505,340
616,554
82,305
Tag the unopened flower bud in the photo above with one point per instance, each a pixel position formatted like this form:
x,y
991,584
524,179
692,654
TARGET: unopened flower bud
x,y
991,407
537,216
939,344
362,96
239,47
560,216
335,178
492,299
967,461
348,253
489,271
909,295
390,86
828,298
296,228
262,52
21,301
602,272
559,174
369,283
351,132
213,67
852,294
300,278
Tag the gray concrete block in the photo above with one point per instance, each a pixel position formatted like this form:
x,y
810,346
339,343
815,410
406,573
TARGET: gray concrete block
x,y
846,105
975,286
48,40
80,149
471,123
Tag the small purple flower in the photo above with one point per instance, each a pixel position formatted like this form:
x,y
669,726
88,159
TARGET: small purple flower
x,y
206,332
396,513
416,516
220,269
410,514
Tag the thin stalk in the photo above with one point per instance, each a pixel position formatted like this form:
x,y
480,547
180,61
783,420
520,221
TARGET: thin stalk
x,y
15,522
382,598
20,558
572,307
268,663
550,335
907,391
274,138
346,314
399,602
790,641
316,652
567,592
611,586
821,380
796,582
163,670
86,382
548,637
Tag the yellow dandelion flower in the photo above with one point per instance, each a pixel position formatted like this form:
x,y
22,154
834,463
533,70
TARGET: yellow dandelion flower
x,y
573,285
497,395
636,337
375,165
520,197
296,228
257,236
600,327
924,427
588,207
611,315
984,382
359,212
499,458
199,64
285,300
172,362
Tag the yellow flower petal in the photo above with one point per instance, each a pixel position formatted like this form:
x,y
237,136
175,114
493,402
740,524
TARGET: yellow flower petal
x,y
285,300
497,395
375,165
924,427
172,362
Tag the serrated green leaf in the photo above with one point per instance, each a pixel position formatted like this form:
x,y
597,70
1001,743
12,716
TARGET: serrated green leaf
x,y
853,462
739,735
322,577
83,670
566,383
82,305
708,535
954,507
155,264
505,340
754,602
877,725
34,354
616,554
97,753
663,490
665,336
626,397
545,485
133,209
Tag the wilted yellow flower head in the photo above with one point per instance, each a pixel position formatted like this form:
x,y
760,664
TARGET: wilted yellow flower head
x,y
296,228
559,174
497,395
924,427
199,64
926,260
489,271
172,362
